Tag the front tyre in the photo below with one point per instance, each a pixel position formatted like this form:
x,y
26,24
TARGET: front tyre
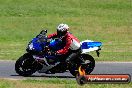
x,y
24,66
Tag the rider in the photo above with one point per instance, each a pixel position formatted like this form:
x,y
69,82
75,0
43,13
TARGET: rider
x,y
71,45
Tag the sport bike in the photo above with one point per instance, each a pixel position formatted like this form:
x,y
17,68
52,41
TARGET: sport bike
x,y
40,57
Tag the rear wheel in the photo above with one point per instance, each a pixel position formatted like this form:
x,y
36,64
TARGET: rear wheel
x,y
88,63
25,65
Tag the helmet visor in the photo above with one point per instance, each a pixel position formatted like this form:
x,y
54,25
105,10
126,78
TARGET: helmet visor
x,y
61,33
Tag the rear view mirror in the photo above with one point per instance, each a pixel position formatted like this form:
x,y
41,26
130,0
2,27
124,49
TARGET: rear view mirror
x,y
43,32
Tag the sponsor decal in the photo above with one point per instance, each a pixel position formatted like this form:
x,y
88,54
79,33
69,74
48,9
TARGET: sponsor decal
x,y
82,78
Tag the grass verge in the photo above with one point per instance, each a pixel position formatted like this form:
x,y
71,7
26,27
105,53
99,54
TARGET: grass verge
x,y
54,83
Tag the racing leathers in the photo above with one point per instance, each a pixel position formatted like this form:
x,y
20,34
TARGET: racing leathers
x,y
71,46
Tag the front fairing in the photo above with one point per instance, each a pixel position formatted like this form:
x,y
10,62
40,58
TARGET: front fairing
x,y
37,48
36,45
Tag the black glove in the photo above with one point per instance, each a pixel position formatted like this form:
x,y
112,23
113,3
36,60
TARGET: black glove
x,y
52,53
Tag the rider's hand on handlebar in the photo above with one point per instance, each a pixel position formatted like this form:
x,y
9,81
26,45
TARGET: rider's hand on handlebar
x,y
52,53
56,53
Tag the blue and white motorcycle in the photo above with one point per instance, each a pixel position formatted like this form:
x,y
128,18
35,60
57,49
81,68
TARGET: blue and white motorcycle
x,y
40,57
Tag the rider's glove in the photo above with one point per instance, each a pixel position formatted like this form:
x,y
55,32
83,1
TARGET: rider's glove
x,y
56,54
53,53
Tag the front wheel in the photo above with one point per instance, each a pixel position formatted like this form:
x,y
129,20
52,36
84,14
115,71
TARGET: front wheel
x,y
87,61
24,66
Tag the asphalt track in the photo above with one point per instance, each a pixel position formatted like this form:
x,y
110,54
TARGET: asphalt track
x,y
7,70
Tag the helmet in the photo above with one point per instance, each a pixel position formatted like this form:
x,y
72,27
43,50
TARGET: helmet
x,y
62,30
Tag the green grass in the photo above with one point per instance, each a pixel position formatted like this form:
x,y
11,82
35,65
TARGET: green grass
x,y
6,84
108,21
54,83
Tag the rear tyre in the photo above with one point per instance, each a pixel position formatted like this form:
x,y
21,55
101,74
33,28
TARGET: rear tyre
x,y
25,65
88,63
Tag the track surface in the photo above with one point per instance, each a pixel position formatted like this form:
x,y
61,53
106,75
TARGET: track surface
x,y
7,70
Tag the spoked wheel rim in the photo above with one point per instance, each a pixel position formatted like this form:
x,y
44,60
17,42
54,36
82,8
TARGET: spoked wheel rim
x,y
89,67
88,63
25,65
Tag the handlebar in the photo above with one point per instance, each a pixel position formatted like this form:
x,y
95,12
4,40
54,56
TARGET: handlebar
x,y
42,36
43,32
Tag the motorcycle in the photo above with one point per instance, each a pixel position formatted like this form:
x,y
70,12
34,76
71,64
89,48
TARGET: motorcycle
x,y
40,57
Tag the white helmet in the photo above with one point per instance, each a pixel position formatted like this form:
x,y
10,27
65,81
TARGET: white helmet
x,y
62,29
